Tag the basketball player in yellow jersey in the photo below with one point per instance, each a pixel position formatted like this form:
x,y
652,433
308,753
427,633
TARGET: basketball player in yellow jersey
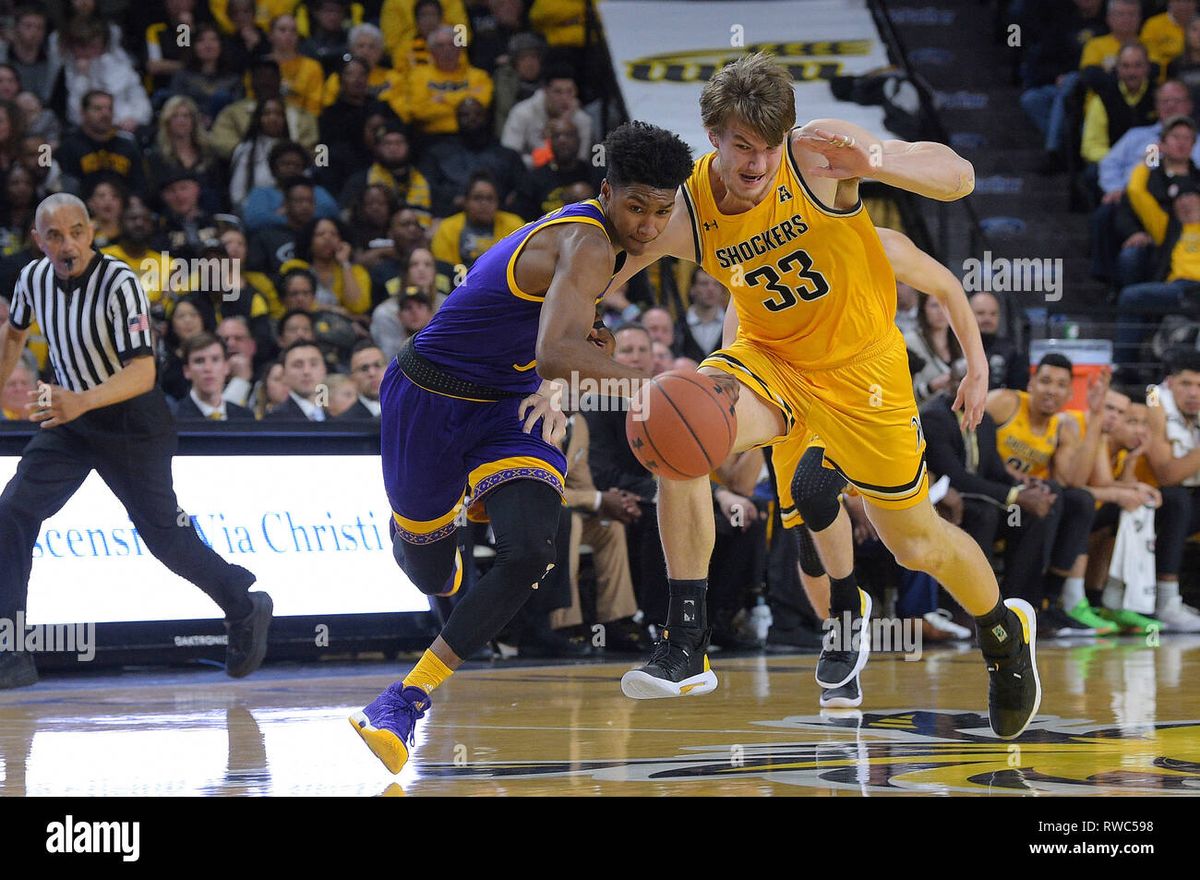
x,y
774,214
1040,440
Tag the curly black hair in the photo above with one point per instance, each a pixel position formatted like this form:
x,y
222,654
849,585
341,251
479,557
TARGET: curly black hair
x,y
638,152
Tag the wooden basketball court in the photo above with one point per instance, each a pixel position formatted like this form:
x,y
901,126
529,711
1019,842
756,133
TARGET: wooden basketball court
x,y
1117,718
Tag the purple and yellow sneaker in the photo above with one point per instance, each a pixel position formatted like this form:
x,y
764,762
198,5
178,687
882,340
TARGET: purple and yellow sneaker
x,y
388,725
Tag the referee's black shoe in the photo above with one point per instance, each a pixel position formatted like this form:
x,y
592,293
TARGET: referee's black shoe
x,y
17,669
248,637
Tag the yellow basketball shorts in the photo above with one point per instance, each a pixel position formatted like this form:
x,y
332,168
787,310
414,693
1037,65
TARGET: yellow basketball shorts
x,y
862,414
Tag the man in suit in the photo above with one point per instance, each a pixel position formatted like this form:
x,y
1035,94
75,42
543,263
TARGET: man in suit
x,y
304,374
206,367
366,369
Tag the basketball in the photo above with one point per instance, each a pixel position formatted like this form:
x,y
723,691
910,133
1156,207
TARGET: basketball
x,y
682,425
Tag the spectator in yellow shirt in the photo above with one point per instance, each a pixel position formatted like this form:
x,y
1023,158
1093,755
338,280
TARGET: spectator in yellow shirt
x,y
1124,18
415,52
463,237
1178,289
1118,106
398,21
437,89
383,84
303,79
561,22
323,247
138,228
1162,34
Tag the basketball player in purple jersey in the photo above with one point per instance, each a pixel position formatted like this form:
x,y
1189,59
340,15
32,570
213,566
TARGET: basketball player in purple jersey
x,y
460,402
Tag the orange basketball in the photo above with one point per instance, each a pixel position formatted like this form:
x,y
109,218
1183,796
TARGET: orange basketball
x,y
682,425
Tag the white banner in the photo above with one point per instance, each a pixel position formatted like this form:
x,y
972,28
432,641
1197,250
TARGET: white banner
x,y
313,528
664,52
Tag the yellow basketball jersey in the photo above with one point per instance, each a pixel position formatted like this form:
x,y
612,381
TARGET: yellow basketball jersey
x,y
1141,469
1023,448
810,283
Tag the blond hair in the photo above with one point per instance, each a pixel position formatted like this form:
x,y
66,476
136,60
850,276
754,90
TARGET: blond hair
x,y
163,139
754,91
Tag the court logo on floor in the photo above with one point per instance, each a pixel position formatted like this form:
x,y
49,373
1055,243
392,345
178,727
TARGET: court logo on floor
x,y
911,750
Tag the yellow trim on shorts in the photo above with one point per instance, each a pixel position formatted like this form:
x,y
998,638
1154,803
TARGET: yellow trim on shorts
x,y
896,497
426,526
515,462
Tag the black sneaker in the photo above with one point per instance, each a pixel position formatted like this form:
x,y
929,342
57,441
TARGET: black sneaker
x,y
677,668
848,696
248,637
17,670
845,652
1014,690
625,636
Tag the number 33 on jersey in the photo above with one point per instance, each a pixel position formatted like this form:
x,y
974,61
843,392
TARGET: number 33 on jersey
x,y
777,259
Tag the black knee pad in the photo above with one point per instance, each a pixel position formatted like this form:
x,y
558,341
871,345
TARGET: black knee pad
x,y
527,555
525,516
429,566
810,559
815,491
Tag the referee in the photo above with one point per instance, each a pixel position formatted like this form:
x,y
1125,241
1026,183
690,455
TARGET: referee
x,y
106,414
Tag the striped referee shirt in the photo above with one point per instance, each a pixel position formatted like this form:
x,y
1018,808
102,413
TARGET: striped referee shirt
x,y
93,324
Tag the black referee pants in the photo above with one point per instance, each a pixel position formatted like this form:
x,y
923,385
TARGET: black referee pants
x,y
130,446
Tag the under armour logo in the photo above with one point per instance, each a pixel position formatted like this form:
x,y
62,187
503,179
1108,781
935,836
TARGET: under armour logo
x,y
710,224
784,195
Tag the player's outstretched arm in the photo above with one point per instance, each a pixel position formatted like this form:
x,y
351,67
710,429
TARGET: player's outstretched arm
x,y
582,272
919,270
850,151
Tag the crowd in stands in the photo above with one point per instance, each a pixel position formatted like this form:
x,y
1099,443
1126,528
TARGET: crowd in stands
x,y
1111,86
293,180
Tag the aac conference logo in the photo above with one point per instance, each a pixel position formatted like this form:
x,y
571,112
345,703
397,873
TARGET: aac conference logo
x,y
914,750
805,60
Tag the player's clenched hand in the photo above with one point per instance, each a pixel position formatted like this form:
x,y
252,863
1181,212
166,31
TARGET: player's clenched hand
x,y
972,397
846,156
554,421
53,406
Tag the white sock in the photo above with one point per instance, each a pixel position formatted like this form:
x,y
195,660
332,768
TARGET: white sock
x,y
1167,591
1114,595
1072,593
